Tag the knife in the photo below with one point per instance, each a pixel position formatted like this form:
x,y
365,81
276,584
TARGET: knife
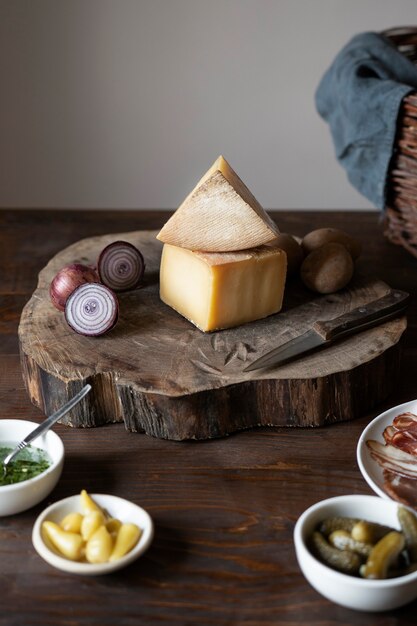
x,y
327,332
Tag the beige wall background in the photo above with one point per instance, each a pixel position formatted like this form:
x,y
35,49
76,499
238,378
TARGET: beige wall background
x,y
126,103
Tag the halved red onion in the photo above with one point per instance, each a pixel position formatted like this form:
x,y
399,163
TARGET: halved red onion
x,y
92,309
67,279
121,266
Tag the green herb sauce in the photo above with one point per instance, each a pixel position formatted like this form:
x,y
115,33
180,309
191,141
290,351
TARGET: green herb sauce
x,y
28,463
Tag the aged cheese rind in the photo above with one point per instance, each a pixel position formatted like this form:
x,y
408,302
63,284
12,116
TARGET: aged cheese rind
x,y
222,290
219,215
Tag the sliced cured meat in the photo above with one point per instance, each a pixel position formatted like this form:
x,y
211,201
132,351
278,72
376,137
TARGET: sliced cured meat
x,y
402,433
401,488
389,433
406,433
398,458
392,458
412,428
404,420
401,441
405,440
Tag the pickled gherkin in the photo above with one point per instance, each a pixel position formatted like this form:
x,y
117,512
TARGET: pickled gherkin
x,y
342,560
408,523
369,532
342,540
383,555
330,524
368,549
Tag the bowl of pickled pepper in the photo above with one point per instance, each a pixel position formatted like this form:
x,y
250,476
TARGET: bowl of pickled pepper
x,y
359,551
92,534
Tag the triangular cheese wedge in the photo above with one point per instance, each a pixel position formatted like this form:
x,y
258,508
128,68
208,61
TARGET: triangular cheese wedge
x,y
219,215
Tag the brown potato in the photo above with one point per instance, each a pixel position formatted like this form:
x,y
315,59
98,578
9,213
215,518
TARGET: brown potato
x,y
328,268
294,252
319,237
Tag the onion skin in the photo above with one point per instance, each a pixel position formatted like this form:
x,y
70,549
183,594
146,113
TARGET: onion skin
x,y
67,279
92,309
121,266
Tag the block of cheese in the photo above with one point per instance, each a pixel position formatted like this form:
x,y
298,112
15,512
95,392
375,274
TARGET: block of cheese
x,y
221,290
219,215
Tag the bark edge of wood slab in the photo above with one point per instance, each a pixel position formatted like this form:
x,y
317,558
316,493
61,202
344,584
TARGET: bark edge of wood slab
x,y
160,375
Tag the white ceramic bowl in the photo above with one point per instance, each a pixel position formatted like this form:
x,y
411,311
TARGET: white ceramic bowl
x,y
349,591
119,508
24,495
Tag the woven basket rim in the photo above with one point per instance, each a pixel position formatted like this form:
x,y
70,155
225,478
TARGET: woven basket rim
x,y
400,215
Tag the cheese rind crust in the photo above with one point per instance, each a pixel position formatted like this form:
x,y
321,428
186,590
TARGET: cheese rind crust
x,y
216,291
219,215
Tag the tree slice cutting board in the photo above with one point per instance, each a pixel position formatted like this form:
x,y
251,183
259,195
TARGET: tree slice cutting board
x,y
161,375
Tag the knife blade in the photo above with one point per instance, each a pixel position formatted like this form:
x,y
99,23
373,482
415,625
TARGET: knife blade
x,y
323,333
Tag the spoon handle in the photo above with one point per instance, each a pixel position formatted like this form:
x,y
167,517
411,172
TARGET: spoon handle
x,y
50,421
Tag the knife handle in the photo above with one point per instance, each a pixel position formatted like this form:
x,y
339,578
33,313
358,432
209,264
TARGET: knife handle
x,y
365,316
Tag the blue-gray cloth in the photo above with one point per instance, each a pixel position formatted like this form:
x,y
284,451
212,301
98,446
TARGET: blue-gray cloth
x,y
360,96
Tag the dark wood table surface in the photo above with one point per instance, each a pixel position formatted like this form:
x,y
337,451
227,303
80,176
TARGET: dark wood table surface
x,y
224,510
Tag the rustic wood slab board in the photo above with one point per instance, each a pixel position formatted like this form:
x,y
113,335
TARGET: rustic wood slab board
x,y
160,375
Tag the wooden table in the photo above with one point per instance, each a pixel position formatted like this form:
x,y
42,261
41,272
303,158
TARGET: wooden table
x,y
224,510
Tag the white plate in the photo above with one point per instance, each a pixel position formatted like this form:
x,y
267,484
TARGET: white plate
x,y
119,508
370,469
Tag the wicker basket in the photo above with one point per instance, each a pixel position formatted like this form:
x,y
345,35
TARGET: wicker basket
x,y
401,210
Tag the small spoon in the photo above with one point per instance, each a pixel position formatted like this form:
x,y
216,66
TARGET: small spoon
x,y
45,426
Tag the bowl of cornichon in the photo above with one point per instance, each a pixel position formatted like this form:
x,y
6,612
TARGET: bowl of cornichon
x,y
359,551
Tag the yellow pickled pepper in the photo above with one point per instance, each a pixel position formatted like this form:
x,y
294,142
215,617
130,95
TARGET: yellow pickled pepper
x,y
71,545
99,547
87,503
72,522
113,525
126,539
91,522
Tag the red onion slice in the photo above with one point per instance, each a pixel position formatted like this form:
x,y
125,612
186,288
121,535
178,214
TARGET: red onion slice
x,y
92,309
121,266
